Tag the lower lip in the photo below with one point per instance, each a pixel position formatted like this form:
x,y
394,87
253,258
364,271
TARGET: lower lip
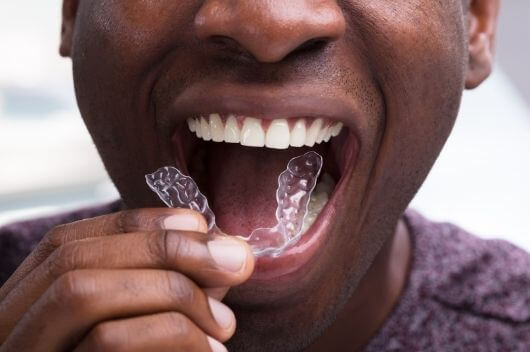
x,y
269,268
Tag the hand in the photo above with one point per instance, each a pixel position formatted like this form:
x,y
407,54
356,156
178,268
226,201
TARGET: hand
x,y
138,280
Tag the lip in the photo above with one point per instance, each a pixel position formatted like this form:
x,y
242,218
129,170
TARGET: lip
x,y
285,102
288,101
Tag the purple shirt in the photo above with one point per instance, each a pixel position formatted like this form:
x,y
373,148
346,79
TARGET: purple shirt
x,y
463,293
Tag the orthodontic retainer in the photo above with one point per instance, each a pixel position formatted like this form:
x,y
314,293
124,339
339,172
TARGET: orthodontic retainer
x,y
295,186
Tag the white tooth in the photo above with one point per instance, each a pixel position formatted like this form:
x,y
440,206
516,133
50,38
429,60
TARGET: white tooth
x,y
205,130
319,199
335,131
198,129
191,124
298,134
252,134
278,135
322,134
312,133
310,219
316,209
327,137
217,128
232,133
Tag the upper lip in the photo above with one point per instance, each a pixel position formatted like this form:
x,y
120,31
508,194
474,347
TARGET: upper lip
x,y
287,101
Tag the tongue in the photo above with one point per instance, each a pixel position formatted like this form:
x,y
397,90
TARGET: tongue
x,y
241,185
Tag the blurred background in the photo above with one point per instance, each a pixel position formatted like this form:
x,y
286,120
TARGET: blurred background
x,y
48,162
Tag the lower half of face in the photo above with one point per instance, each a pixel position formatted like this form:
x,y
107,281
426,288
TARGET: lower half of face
x,y
377,103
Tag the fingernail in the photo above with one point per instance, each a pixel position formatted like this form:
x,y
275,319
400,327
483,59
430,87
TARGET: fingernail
x,y
228,254
221,313
216,346
183,222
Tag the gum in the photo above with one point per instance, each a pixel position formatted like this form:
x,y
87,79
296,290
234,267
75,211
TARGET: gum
x,y
293,194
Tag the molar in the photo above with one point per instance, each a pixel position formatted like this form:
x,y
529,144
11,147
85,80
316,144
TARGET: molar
x,y
323,134
191,124
335,130
319,199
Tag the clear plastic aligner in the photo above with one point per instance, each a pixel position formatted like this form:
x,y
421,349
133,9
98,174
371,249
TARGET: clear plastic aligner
x,y
177,190
295,186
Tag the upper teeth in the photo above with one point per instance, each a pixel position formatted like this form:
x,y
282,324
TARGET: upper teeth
x,y
250,132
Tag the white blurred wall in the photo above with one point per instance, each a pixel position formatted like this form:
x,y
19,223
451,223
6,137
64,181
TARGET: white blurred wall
x,y
482,179
47,159
48,162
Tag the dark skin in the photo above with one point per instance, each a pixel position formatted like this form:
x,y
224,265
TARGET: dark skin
x,y
137,281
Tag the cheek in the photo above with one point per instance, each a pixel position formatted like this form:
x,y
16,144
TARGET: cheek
x,y
125,39
424,91
117,50
417,51
141,25
424,70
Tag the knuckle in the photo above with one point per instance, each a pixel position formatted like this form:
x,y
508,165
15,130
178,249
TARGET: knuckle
x,y
63,259
126,220
104,338
167,245
71,291
56,237
182,328
181,289
156,247
175,245
132,220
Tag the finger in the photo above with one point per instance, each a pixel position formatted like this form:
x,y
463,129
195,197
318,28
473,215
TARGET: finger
x,y
211,261
162,332
117,223
84,298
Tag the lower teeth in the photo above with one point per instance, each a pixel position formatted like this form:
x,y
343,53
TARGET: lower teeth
x,y
298,205
319,199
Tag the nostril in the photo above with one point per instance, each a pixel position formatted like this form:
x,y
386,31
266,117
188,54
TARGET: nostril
x,y
311,45
221,40
229,45
232,47
269,31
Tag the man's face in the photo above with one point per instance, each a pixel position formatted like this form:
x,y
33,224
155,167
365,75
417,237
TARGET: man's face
x,y
391,72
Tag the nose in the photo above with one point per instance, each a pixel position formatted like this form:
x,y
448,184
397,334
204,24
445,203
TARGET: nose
x,y
270,30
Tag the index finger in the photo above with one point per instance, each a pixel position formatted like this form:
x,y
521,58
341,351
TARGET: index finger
x,y
127,221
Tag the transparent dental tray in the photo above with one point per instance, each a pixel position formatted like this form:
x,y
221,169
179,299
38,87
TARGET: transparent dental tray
x,y
293,194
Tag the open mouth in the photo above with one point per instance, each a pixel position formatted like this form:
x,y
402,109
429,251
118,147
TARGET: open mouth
x,y
236,160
